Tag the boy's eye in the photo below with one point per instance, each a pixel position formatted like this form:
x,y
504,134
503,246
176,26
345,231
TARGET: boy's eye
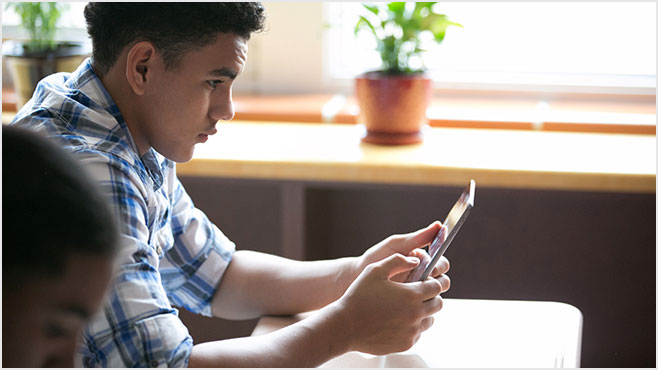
x,y
213,83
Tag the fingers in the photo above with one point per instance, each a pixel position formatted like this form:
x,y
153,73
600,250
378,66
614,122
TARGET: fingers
x,y
444,280
424,236
421,254
394,265
441,267
433,305
427,289
418,239
432,286
426,323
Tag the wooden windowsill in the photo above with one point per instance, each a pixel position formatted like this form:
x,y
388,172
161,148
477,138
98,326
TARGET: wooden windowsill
x,y
611,116
447,157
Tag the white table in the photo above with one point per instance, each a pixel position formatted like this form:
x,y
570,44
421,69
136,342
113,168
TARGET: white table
x,y
480,333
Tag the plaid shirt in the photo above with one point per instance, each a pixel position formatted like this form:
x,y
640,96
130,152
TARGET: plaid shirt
x,y
171,253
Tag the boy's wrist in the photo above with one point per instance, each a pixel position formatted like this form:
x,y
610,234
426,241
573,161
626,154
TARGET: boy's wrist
x,y
341,327
349,270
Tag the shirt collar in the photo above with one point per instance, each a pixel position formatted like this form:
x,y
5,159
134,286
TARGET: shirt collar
x,y
87,81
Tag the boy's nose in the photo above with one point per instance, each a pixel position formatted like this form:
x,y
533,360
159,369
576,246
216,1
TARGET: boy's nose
x,y
222,109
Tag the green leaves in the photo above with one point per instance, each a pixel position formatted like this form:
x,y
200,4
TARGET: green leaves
x,y
363,21
40,20
438,24
397,8
398,27
373,9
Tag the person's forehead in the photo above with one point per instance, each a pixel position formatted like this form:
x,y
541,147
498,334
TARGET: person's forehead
x,y
227,51
78,290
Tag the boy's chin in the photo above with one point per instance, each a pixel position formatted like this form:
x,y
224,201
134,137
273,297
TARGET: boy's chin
x,y
180,156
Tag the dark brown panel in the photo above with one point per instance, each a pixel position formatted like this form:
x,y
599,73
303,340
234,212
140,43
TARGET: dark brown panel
x,y
595,251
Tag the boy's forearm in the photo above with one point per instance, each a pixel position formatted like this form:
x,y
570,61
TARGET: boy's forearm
x,y
307,343
257,284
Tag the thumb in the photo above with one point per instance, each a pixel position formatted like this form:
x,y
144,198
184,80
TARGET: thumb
x,y
419,238
395,264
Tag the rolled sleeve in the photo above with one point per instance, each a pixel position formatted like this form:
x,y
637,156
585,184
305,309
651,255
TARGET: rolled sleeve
x,y
193,268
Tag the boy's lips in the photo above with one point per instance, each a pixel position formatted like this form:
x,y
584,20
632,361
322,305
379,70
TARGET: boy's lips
x,y
212,132
203,137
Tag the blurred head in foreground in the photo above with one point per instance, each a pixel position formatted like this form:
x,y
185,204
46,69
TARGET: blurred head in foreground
x,y
58,246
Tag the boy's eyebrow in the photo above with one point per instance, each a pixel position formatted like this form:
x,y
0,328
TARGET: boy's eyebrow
x,y
224,72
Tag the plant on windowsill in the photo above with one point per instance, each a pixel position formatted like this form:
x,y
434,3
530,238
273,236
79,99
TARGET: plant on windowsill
x,y
394,99
39,56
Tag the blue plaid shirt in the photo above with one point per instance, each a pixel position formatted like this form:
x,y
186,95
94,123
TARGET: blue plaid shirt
x,y
172,254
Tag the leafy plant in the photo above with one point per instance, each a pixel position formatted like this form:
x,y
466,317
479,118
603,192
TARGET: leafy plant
x,y
39,19
398,28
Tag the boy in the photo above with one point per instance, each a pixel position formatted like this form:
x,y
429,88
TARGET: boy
x,y
58,244
159,80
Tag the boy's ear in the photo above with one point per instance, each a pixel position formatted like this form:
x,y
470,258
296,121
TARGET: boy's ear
x,y
139,66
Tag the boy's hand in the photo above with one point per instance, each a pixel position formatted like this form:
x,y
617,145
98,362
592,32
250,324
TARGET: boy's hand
x,y
408,245
385,316
438,272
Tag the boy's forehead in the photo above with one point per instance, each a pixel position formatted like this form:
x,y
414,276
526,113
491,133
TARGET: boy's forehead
x,y
227,52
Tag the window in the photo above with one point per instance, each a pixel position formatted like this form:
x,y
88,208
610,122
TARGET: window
x,y
569,47
71,25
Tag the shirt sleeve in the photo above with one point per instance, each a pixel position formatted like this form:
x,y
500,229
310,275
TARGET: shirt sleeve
x,y
138,327
191,270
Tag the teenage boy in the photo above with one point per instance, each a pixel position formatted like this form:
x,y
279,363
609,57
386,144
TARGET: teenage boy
x,y
58,247
159,79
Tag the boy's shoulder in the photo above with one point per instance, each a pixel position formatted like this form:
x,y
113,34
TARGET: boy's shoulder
x,y
105,153
76,110
79,130
72,109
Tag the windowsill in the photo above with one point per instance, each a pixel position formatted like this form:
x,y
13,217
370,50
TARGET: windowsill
x,y
611,116
622,115
494,158
261,148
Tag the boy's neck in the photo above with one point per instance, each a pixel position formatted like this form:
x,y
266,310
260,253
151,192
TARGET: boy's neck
x,y
116,85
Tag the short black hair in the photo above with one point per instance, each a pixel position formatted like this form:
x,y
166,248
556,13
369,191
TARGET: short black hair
x,y
51,209
174,28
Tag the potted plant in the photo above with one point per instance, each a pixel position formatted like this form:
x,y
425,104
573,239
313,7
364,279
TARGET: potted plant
x,y
31,60
393,100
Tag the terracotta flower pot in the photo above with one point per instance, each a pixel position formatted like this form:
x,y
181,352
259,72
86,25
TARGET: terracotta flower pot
x,y
393,107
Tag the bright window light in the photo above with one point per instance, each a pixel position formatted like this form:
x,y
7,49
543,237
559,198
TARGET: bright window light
x,y
71,25
511,45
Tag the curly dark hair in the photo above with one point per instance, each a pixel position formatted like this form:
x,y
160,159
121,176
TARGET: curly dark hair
x,y
174,28
51,209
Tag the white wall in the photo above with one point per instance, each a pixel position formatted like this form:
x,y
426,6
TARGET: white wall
x,y
285,58
288,56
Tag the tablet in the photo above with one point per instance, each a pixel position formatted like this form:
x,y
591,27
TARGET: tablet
x,y
444,237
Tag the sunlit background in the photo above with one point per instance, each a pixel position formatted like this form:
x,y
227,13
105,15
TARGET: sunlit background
x,y
544,44
607,47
